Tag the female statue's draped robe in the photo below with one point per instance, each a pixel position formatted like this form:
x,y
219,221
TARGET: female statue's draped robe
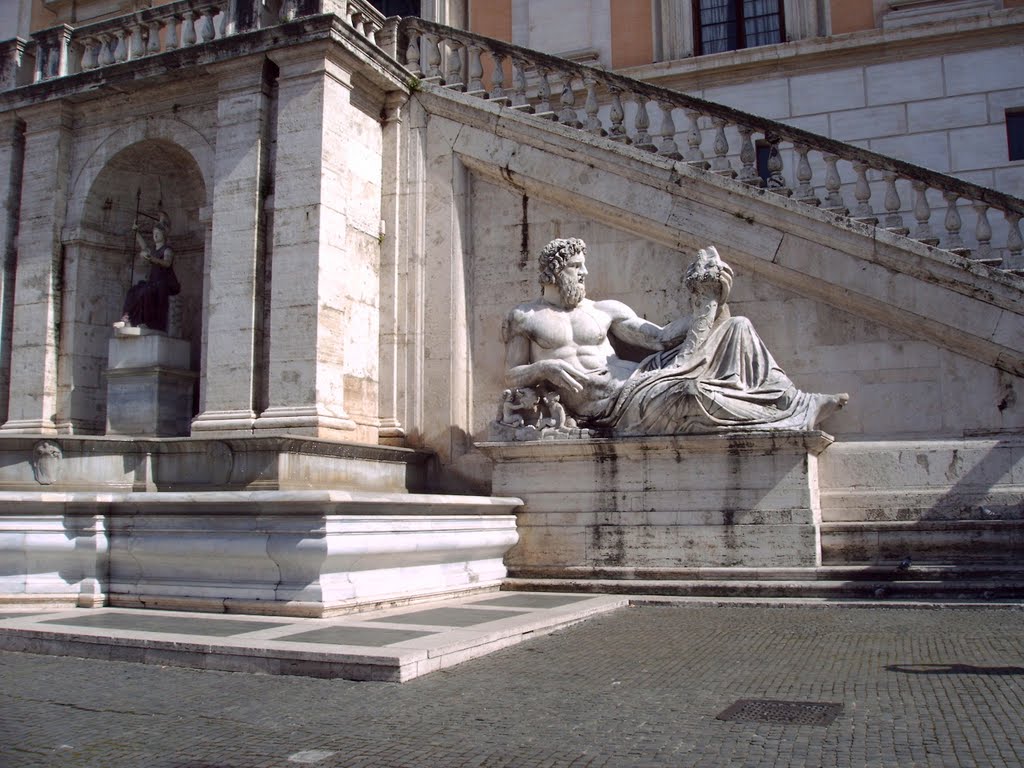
x,y
731,382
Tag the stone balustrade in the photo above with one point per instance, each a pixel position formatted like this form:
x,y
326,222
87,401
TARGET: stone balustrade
x,y
815,170
65,50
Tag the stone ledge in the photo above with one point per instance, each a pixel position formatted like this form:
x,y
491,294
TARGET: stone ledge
x,y
733,443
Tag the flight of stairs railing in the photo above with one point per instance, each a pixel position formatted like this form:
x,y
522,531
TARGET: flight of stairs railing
x,y
831,175
846,180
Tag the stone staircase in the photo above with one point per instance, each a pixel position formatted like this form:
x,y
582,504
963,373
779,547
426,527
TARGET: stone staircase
x,y
945,542
842,179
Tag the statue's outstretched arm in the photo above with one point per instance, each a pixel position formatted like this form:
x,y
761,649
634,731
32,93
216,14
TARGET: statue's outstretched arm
x,y
635,330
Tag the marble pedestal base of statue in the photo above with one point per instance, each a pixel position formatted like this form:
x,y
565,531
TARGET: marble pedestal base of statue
x,y
646,507
149,386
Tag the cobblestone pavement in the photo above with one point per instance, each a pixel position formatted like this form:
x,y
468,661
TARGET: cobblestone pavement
x,y
638,687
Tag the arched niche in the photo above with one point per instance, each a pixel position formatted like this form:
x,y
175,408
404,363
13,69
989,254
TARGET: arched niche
x,y
101,261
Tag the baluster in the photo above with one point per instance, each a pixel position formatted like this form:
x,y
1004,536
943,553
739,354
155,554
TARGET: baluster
x,y
616,115
121,49
720,164
519,100
412,53
668,147
641,123
453,70
862,191
40,66
982,232
923,212
188,29
476,71
694,155
171,34
105,55
56,59
568,116
153,37
206,29
433,59
804,192
90,53
776,181
590,106
498,79
227,24
544,95
748,157
1014,241
833,198
893,218
136,45
953,223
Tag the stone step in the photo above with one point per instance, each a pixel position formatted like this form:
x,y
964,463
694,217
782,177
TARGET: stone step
x,y
891,588
887,571
932,541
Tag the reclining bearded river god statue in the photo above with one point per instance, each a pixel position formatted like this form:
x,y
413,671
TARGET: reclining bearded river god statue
x,y
708,371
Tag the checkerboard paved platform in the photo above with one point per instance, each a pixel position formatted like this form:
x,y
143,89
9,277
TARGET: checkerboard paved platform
x,y
388,645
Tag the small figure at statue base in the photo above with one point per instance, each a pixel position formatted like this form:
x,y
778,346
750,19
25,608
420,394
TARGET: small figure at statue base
x,y
527,414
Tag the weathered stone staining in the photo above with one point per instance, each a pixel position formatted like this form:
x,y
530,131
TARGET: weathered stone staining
x,y
708,371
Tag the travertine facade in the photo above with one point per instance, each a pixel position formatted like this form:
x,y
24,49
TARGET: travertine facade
x,y
356,203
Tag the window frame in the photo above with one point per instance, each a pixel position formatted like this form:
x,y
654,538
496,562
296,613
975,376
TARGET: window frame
x,y
1015,134
741,32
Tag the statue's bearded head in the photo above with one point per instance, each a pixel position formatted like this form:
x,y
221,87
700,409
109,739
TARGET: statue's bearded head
x,y
563,264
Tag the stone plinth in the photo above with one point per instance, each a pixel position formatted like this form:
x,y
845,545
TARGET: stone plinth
x,y
656,504
86,463
149,386
299,553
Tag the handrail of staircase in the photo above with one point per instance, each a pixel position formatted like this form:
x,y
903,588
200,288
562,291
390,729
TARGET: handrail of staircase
x,y
454,59
66,50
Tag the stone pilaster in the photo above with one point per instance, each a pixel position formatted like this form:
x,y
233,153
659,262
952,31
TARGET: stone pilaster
x,y
33,383
395,312
12,150
324,313
232,326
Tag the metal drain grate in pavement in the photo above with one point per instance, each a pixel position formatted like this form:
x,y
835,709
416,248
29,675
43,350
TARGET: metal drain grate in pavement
x,y
784,712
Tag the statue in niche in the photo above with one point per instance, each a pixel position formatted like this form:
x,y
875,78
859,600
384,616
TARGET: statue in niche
x,y
708,371
147,303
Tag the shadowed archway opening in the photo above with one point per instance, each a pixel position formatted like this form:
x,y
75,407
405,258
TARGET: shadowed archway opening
x,y
101,262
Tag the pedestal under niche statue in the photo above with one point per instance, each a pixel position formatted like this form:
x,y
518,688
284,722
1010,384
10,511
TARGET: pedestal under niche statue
x,y
149,381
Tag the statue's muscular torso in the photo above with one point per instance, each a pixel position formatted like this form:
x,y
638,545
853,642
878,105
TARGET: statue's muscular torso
x,y
539,331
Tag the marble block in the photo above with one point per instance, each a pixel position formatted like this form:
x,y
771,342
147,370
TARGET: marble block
x,y
297,553
149,386
659,504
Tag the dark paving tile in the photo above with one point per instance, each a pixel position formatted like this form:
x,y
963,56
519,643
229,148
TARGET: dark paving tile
x,y
19,614
178,625
525,600
353,636
450,617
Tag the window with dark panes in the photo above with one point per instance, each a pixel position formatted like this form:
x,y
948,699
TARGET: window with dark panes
x,y
397,7
1015,134
727,25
